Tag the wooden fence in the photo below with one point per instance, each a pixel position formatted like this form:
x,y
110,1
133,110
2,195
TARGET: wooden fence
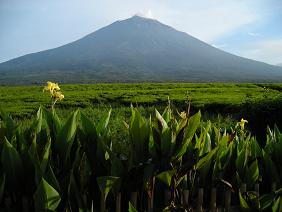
x,y
218,200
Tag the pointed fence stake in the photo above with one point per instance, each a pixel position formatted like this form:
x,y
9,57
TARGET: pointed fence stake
x,y
227,201
200,200
133,198
243,187
185,197
167,197
213,200
102,203
151,197
118,202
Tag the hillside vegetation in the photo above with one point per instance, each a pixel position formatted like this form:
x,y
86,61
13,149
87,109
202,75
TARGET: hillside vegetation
x,y
259,103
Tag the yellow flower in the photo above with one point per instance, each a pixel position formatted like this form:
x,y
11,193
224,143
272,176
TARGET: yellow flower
x,y
183,115
242,123
51,87
57,95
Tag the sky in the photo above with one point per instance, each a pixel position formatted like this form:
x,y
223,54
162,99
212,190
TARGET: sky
x,y
248,28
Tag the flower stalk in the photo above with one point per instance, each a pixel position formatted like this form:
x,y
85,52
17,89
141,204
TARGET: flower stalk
x,y
55,93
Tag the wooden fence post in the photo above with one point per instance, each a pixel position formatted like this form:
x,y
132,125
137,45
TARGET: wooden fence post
x,y
227,201
213,200
167,196
25,204
118,202
200,200
185,197
243,187
133,199
150,201
102,203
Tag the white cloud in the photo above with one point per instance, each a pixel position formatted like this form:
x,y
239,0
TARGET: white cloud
x,y
209,20
253,34
269,51
148,13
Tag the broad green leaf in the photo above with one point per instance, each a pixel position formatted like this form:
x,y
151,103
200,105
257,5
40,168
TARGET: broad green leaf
x,y
180,151
266,201
106,183
85,172
253,173
224,156
56,121
52,119
46,198
167,114
10,125
66,136
206,147
74,192
89,139
103,123
271,170
139,132
51,178
244,205
38,122
278,192
277,206
167,139
203,162
12,164
131,208
45,157
241,162
166,176
161,122
32,151
276,132
255,148
193,124
87,124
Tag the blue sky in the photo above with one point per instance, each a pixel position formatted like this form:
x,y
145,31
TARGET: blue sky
x,y
248,28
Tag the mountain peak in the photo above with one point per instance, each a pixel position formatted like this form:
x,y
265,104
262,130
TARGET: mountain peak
x,y
137,16
133,50
140,18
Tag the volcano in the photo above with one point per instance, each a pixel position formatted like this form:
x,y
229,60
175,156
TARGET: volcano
x,y
137,49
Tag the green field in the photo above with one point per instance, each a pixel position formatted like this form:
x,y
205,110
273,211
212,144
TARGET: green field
x,y
22,101
256,102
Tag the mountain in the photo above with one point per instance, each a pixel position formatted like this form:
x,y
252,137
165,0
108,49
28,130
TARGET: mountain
x,y
133,50
279,64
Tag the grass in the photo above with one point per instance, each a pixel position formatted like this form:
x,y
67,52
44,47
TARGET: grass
x,y
259,103
22,101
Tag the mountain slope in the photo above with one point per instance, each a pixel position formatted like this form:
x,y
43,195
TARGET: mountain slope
x,y
136,49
